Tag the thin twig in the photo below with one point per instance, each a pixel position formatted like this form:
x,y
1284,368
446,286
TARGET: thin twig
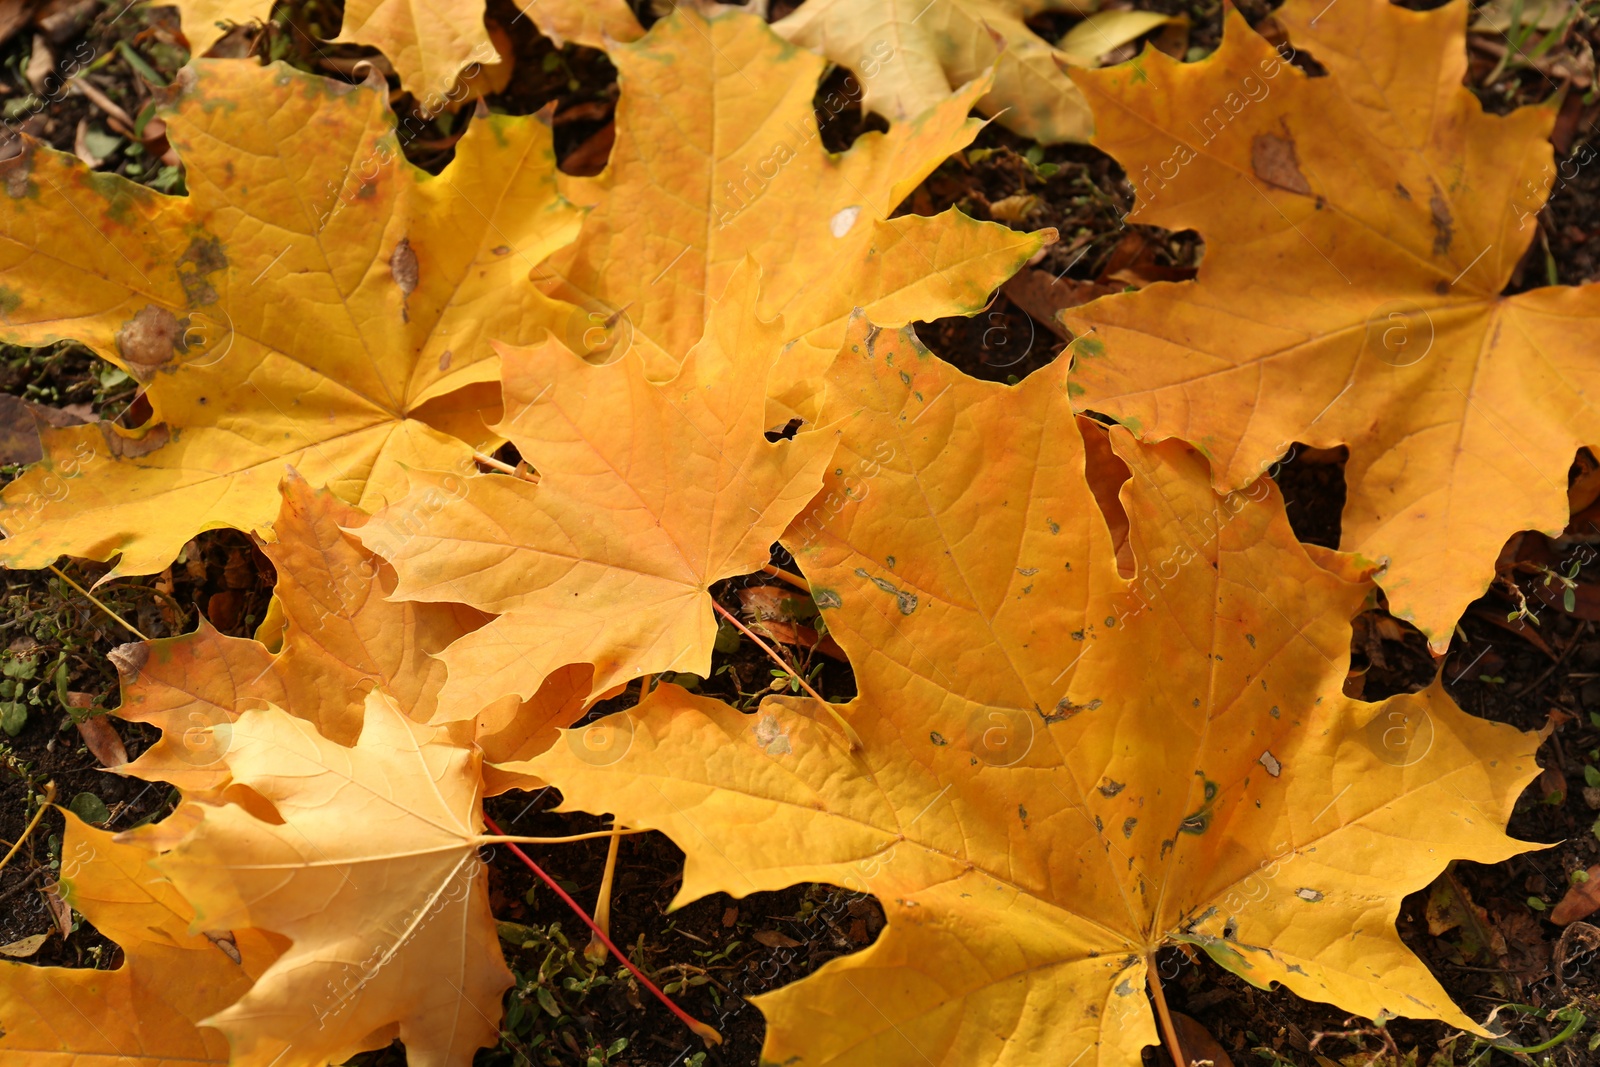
x,y
849,731
96,602
32,877
1565,652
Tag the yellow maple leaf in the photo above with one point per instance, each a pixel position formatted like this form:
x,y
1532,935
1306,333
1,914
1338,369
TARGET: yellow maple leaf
x,y
1359,230
647,494
908,53
373,874
1062,770
428,45
342,637
591,23
718,157
299,198
146,1012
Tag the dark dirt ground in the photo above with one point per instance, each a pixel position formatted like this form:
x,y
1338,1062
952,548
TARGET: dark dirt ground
x,y
564,1010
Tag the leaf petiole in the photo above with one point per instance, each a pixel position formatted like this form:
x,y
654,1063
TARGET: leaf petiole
x,y
501,839
849,731
706,1033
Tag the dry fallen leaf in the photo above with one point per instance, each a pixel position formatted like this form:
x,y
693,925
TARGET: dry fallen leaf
x,y
647,494
1038,810
1359,230
145,1013
590,23
342,637
428,46
101,738
909,53
1582,899
298,197
747,174
23,947
373,875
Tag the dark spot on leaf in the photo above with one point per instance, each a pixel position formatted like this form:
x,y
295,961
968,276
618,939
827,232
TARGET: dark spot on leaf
x,y
1111,787
403,266
129,659
1444,229
1127,826
937,738
149,340
134,447
907,602
17,171
1274,161
203,257
1066,709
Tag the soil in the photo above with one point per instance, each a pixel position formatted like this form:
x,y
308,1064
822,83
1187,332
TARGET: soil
x,y
1541,673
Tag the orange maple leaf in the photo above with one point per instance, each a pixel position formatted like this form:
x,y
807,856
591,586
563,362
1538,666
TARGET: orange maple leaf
x,y
1359,230
341,638
148,1011
647,494
299,198
718,157
1063,770
369,865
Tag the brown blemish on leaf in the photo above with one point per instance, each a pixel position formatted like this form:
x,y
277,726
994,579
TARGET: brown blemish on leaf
x,y
16,171
1066,709
444,360
1443,224
133,447
907,602
1274,161
203,257
129,659
403,266
149,340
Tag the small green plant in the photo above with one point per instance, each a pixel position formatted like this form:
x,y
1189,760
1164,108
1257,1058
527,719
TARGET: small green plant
x,y
545,1020
15,693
